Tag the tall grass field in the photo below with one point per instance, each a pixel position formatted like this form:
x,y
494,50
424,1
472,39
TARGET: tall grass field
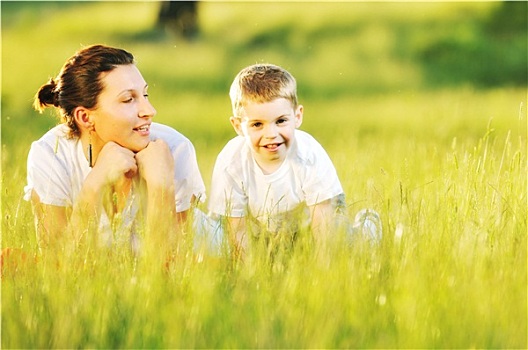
x,y
444,164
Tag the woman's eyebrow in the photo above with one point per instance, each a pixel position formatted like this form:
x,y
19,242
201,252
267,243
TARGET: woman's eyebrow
x,y
132,90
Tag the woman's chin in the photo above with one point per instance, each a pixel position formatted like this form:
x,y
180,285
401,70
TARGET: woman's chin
x,y
139,146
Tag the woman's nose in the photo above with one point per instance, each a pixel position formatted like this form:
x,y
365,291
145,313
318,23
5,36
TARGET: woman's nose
x,y
147,109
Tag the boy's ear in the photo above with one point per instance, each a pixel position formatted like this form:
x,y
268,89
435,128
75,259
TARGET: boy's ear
x,y
299,116
237,125
83,118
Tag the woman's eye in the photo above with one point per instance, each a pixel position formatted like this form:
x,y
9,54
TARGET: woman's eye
x,y
146,96
128,100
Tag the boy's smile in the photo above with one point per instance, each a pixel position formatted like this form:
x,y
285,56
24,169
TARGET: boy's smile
x,y
269,129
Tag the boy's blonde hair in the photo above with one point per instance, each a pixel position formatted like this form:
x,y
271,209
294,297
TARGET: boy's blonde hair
x,y
262,83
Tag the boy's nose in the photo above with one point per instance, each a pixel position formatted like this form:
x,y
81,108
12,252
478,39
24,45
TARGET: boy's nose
x,y
271,132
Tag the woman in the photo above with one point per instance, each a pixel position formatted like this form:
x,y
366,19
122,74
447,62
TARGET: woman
x,y
107,173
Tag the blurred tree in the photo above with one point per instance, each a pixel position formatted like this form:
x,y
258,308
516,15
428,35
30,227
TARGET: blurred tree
x,y
179,17
509,19
496,54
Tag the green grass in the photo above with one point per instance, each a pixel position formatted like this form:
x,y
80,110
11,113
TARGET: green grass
x,y
446,169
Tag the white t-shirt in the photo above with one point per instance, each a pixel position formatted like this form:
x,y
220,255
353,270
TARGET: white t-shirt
x,y
239,188
57,168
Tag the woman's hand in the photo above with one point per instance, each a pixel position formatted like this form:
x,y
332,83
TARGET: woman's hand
x,y
114,162
113,165
156,165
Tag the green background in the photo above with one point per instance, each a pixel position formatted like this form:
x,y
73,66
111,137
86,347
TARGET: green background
x,y
422,108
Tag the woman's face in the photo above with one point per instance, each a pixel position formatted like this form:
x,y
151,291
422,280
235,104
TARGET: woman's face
x,y
123,113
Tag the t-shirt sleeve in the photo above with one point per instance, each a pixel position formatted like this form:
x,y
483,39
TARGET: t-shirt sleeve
x,y
47,175
227,196
187,176
321,181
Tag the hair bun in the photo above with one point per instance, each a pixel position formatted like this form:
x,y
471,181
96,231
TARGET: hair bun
x,y
47,95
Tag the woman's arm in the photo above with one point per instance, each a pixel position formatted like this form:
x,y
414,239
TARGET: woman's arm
x,y
156,167
57,224
50,221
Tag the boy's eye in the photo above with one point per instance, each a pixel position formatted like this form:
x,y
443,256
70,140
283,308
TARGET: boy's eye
x,y
256,124
282,121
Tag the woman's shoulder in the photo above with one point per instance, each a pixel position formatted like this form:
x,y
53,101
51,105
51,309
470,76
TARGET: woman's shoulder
x,y
163,131
59,134
171,136
56,145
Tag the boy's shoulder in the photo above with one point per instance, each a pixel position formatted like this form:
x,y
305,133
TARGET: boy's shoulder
x,y
235,152
232,147
307,149
304,138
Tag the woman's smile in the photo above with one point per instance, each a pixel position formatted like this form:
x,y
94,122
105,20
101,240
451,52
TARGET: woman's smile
x,y
143,130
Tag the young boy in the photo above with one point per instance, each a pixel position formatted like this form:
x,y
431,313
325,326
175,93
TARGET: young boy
x,y
272,175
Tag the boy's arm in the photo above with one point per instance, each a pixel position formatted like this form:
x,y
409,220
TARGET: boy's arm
x,y
321,215
237,235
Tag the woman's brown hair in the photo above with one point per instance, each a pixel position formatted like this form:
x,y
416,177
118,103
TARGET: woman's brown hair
x,y
79,82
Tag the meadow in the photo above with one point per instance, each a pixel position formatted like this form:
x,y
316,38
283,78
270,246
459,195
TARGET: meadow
x,y
444,165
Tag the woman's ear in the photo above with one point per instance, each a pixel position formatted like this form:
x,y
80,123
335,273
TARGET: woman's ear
x,y
83,118
237,125
299,116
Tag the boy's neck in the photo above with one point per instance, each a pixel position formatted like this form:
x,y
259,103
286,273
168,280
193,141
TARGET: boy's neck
x,y
269,168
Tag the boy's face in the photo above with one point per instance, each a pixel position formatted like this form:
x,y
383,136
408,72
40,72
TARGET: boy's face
x,y
269,130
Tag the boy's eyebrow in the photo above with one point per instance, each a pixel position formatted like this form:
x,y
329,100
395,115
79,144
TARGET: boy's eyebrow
x,y
278,117
282,116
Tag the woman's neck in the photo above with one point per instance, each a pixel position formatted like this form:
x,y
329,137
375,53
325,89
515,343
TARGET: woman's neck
x,y
92,145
